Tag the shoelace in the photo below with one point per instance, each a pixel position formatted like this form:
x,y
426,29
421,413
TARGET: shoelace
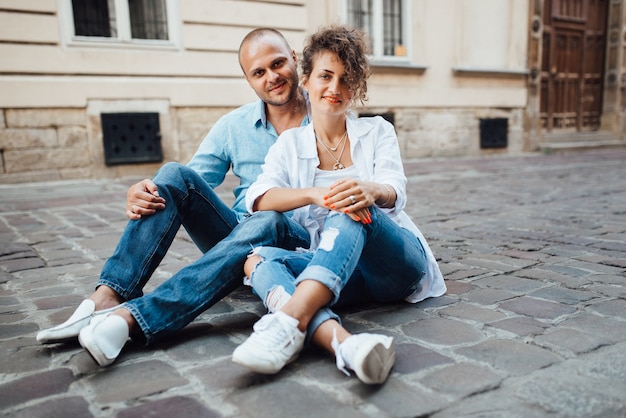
x,y
273,338
340,361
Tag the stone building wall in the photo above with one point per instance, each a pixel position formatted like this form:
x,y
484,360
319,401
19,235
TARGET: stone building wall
x,y
58,144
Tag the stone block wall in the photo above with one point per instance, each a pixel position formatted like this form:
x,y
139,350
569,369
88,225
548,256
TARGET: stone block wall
x,y
58,144
437,132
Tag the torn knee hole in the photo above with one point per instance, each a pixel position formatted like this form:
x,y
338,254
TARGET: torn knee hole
x,y
276,298
250,265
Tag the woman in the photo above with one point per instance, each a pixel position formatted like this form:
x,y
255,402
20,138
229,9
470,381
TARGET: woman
x,y
344,181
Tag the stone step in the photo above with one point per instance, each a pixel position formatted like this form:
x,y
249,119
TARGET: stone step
x,y
578,141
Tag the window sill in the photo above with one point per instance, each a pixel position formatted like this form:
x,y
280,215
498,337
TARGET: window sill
x,y
398,65
86,42
503,72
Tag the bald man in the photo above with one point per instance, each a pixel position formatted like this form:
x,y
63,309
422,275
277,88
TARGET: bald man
x,y
184,195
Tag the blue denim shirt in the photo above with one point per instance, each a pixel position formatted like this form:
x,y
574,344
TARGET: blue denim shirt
x,y
238,140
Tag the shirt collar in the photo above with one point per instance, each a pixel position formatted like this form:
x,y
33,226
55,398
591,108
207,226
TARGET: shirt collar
x,y
260,117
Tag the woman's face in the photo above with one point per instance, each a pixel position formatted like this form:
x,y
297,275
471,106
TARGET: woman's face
x,y
328,91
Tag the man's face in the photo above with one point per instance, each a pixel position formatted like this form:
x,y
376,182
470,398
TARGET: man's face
x,y
271,70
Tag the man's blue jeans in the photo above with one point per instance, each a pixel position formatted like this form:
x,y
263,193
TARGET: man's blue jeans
x,y
216,230
377,262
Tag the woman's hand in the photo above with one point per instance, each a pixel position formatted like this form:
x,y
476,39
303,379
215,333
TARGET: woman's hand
x,y
352,197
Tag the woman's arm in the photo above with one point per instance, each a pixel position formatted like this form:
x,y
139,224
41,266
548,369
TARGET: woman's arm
x,y
285,199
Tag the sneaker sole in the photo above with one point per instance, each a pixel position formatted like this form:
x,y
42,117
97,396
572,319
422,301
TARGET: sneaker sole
x,y
252,363
376,363
86,341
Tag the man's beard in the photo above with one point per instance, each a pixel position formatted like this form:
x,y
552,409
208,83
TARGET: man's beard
x,y
292,86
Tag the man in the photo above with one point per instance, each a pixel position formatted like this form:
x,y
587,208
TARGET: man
x,y
183,195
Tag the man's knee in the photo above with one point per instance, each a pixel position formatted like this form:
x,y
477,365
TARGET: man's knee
x,y
171,172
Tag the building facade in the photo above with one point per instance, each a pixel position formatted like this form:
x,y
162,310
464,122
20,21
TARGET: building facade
x,y
109,88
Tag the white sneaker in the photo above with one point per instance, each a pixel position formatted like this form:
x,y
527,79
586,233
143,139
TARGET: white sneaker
x,y
69,329
370,356
104,338
275,342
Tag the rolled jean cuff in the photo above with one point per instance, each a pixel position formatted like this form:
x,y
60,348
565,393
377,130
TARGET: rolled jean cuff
x,y
145,330
324,276
318,319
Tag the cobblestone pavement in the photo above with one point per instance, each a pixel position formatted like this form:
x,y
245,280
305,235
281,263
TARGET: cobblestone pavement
x,y
534,323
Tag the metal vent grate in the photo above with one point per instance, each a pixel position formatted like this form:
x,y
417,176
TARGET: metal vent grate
x,y
388,116
494,133
131,138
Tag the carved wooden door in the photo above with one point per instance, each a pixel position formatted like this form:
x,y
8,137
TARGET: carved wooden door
x,y
574,43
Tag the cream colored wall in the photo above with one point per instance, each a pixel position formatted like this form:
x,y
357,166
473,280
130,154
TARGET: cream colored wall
x,y
470,57
200,70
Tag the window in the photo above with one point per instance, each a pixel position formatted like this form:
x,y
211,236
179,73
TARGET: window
x,y
125,21
385,22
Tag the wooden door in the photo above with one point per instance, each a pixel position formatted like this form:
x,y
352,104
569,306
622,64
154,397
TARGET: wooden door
x,y
574,43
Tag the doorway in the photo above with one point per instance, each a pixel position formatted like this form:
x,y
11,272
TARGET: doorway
x,y
572,64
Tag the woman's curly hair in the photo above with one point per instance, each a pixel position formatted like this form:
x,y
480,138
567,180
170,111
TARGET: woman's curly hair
x,y
351,47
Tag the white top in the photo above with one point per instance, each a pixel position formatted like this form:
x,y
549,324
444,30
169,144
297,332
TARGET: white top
x,y
292,163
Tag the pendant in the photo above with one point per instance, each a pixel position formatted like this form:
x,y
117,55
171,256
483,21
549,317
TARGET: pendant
x,y
338,166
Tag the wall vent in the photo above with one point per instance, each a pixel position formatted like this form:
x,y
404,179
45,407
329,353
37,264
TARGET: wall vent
x,y
131,138
494,133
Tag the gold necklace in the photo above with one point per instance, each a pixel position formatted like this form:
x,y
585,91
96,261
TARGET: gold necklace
x,y
337,165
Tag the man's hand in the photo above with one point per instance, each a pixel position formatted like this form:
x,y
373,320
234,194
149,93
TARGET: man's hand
x,y
142,199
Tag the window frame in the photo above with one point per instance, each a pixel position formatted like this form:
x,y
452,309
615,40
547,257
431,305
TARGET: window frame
x,y
377,54
124,38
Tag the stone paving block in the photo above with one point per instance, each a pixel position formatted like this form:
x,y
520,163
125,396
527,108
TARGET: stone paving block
x,y
574,388
224,376
176,406
466,311
8,301
198,343
609,291
500,402
614,308
118,384
442,331
439,302
522,326
510,283
21,355
73,406
537,308
462,379
571,340
35,386
513,357
397,399
598,326
568,270
466,274
487,296
11,250
21,264
16,330
412,358
542,273
621,263
561,295
392,315
456,287
60,301
290,399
